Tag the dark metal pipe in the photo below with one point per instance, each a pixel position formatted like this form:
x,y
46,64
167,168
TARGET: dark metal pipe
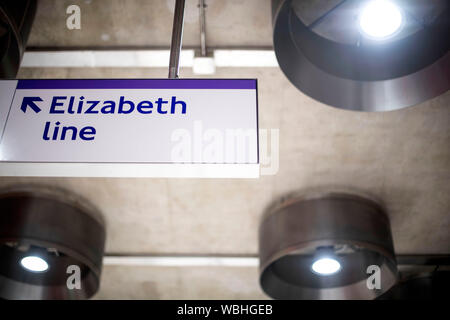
x,y
202,28
177,37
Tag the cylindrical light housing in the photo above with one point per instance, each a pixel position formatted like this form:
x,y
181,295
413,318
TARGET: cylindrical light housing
x,y
369,55
322,246
47,235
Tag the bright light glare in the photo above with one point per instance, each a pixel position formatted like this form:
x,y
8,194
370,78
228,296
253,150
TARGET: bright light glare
x,y
33,263
326,266
380,19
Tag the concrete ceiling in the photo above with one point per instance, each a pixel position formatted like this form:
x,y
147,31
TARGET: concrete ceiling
x,y
241,23
400,157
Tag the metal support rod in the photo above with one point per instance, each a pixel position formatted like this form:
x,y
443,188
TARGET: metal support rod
x,y
202,28
177,37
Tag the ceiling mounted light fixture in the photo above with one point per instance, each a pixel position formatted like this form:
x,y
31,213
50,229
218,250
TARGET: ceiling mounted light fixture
x,y
371,55
321,246
46,235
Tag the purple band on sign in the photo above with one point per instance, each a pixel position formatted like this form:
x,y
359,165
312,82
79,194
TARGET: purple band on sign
x,y
138,84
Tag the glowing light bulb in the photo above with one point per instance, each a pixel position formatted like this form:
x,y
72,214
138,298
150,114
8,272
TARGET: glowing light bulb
x,y
380,19
326,266
34,263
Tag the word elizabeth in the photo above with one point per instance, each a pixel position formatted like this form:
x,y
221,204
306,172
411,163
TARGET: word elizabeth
x,y
109,106
71,105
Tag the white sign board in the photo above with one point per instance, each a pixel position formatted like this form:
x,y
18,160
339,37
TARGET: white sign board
x,y
129,128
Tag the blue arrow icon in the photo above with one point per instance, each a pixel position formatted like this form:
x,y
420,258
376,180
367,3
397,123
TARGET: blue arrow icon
x,y
30,101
